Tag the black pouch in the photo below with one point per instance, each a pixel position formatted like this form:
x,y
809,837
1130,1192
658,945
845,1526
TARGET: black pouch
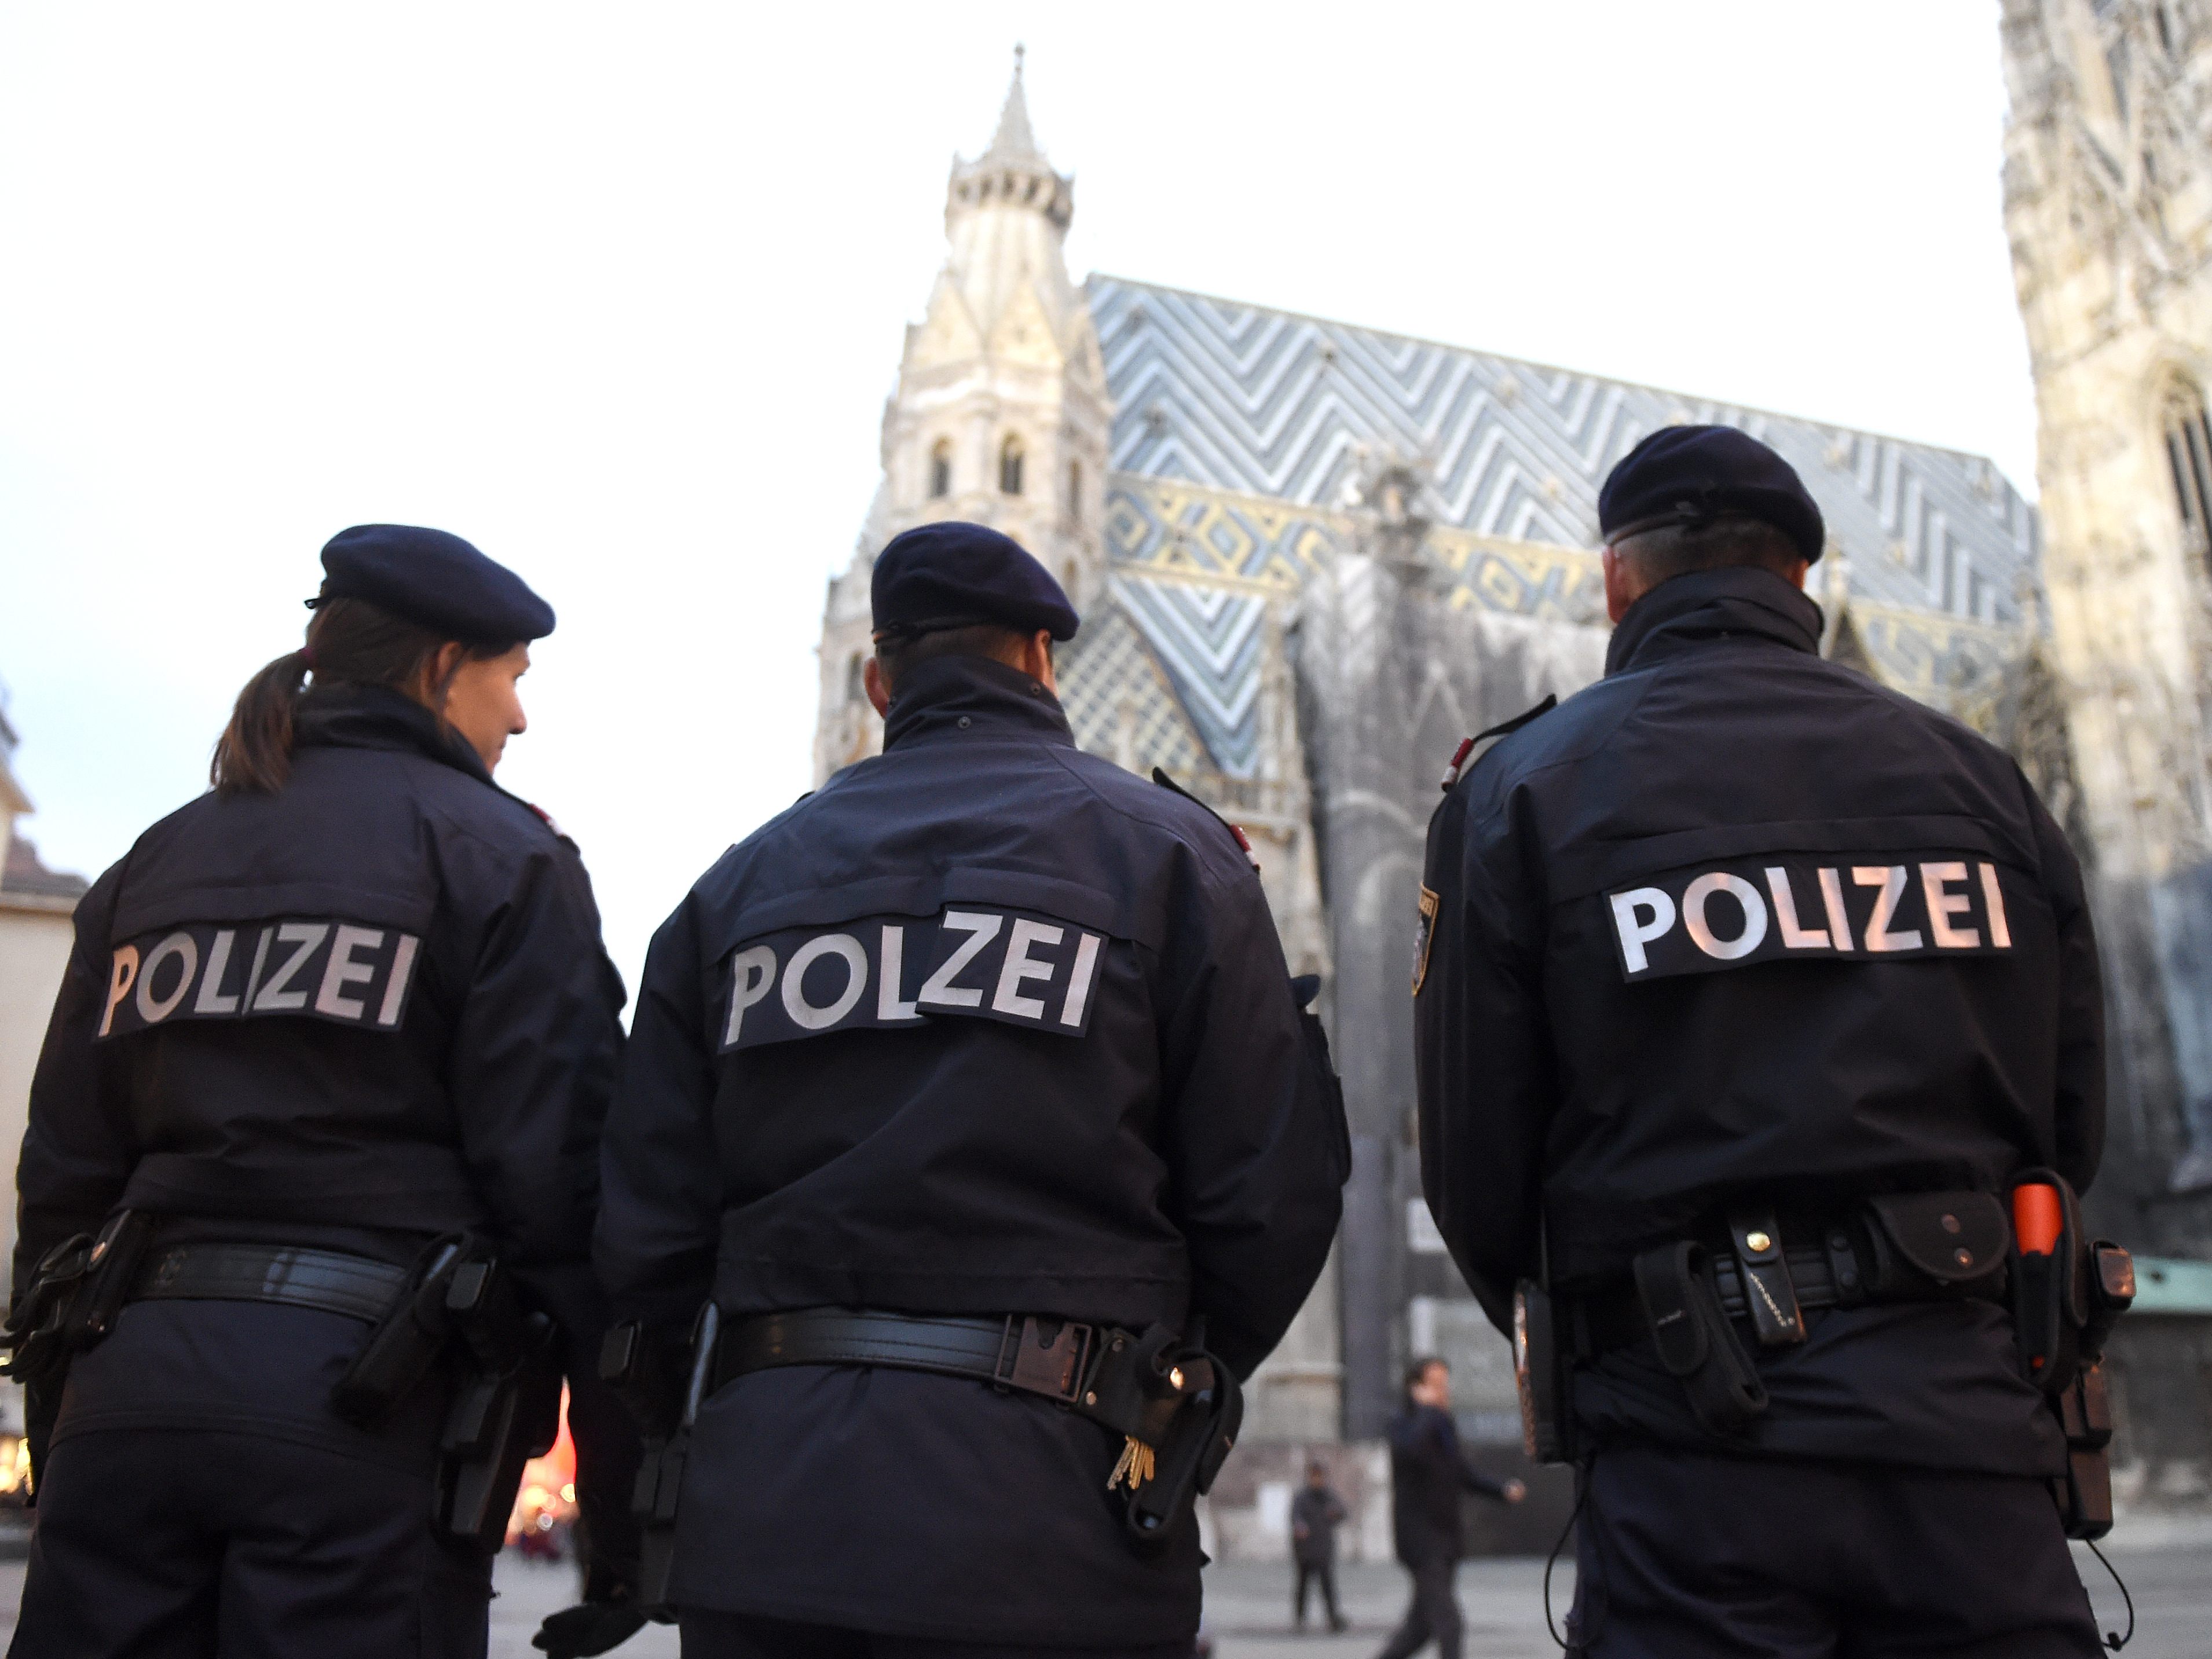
x,y
2085,1496
404,1343
1696,1343
71,1304
1540,1376
1949,1240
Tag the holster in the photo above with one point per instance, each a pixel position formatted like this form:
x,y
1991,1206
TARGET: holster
x,y
1543,1370
69,1307
1167,1393
506,1407
627,1361
405,1343
2065,1303
1696,1343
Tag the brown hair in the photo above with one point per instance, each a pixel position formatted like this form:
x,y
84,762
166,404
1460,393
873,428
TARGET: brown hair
x,y
897,654
350,641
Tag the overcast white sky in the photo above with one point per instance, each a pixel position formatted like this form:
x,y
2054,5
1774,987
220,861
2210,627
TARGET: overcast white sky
x,y
616,292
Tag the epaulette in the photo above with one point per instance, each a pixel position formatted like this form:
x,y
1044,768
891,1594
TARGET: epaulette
x,y
545,818
1242,841
1465,749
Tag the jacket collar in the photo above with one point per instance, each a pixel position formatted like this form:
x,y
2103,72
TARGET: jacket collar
x,y
1713,604
972,696
374,717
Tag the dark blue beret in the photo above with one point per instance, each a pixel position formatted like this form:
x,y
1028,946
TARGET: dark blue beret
x,y
435,580
1691,475
952,574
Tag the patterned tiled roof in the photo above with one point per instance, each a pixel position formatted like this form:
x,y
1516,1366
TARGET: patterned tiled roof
x,y
1265,417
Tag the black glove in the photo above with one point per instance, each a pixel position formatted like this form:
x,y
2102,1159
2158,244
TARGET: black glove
x,y
578,1633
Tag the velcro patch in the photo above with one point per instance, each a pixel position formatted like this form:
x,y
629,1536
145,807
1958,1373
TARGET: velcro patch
x,y
1856,907
321,967
883,973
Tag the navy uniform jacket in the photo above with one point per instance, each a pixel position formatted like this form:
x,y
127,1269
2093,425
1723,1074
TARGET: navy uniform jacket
x,y
365,1010
1735,921
1428,1472
987,1025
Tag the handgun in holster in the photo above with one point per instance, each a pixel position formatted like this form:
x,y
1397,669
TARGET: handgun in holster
x,y
1179,1410
632,1362
2068,1292
70,1306
459,1313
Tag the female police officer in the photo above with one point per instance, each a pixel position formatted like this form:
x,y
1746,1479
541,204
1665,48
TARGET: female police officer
x,y
350,1002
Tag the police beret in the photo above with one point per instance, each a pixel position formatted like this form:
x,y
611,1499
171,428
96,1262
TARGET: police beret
x,y
434,578
1693,474
952,574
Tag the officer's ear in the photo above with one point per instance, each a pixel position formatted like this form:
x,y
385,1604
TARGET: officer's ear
x,y
1036,659
872,681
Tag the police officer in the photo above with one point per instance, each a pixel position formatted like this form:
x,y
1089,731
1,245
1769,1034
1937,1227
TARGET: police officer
x,y
970,1076
1750,988
350,1002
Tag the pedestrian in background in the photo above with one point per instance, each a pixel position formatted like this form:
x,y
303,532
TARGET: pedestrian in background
x,y
1428,1471
1316,1514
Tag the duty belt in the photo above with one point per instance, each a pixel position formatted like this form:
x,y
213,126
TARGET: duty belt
x,y
1048,1357
1846,1269
329,1281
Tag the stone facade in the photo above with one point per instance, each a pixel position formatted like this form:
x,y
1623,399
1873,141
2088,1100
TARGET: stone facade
x,y
2108,201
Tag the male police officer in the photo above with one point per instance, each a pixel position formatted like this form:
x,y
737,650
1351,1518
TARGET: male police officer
x,y
1745,988
968,1089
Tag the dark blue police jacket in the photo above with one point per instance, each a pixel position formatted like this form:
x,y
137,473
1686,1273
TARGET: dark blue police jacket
x,y
987,1025
363,1010
1737,923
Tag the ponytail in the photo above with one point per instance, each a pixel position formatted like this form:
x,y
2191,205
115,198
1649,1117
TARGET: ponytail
x,y
255,750
349,642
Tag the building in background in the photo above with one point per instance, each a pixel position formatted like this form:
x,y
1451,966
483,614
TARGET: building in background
x,y
1310,558
37,906
2108,200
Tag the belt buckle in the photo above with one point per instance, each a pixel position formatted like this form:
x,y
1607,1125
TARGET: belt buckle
x,y
1028,1363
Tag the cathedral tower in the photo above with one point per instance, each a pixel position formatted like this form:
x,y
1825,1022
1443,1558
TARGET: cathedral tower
x,y
1001,415
2108,200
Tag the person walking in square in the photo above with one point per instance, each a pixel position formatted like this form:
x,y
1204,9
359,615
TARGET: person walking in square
x,y
1428,1472
1316,1514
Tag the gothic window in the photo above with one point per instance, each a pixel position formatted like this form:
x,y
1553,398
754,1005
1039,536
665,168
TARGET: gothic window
x,y
940,470
1009,467
1075,492
2189,452
856,688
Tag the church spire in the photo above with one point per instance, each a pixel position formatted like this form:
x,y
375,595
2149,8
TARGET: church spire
x,y
1014,141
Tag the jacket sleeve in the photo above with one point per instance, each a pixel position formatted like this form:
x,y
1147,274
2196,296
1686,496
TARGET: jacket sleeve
x,y
659,1227
1255,1124
1482,1053
78,1148
2078,1111
532,1066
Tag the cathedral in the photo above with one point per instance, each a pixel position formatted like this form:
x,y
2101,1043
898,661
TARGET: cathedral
x,y
1311,557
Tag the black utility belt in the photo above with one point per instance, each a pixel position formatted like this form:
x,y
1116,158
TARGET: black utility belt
x,y
1772,1268
329,1281
1178,1408
1056,1358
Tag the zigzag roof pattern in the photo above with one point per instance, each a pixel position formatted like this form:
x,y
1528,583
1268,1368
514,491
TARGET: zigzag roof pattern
x,y
1270,403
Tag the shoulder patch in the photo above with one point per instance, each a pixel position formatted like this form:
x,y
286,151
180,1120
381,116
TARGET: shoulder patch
x,y
1461,755
1243,842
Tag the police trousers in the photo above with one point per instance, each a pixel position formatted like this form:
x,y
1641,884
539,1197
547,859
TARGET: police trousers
x,y
1684,1555
199,1544
709,1635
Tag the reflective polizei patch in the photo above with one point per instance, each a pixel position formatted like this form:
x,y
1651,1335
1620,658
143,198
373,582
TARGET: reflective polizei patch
x,y
316,967
1856,907
886,973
